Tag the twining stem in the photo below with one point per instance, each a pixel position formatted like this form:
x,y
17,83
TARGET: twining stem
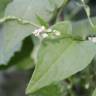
x,y
88,13
19,20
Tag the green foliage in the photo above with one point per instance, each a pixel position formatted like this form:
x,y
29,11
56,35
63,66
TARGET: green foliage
x,y
12,31
94,93
3,4
52,90
22,59
56,56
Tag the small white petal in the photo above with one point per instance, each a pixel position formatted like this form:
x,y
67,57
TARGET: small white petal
x,y
35,32
90,38
94,39
87,86
40,30
49,30
43,28
44,35
57,34
54,30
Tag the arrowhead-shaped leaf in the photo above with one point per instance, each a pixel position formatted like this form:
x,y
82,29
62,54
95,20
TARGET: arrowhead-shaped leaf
x,y
60,59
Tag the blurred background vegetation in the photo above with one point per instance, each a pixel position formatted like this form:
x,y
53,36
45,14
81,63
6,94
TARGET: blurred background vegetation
x,y
15,76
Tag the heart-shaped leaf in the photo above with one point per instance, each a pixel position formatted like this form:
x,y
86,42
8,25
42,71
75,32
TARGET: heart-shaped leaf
x,y
60,59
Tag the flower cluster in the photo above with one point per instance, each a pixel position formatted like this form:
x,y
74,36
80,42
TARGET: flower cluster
x,y
43,32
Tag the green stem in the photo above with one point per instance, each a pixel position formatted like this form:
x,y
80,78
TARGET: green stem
x,y
61,10
90,21
19,20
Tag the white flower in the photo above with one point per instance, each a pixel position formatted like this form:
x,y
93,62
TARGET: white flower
x,y
44,35
54,31
43,28
57,33
42,32
39,31
93,39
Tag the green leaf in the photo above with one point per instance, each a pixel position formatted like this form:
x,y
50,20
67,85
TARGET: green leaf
x,y
64,27
3,4
59,59
83,28
42,22
37,42
22,59
94,93
12,42
94,28
57,3
52,90
12,33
